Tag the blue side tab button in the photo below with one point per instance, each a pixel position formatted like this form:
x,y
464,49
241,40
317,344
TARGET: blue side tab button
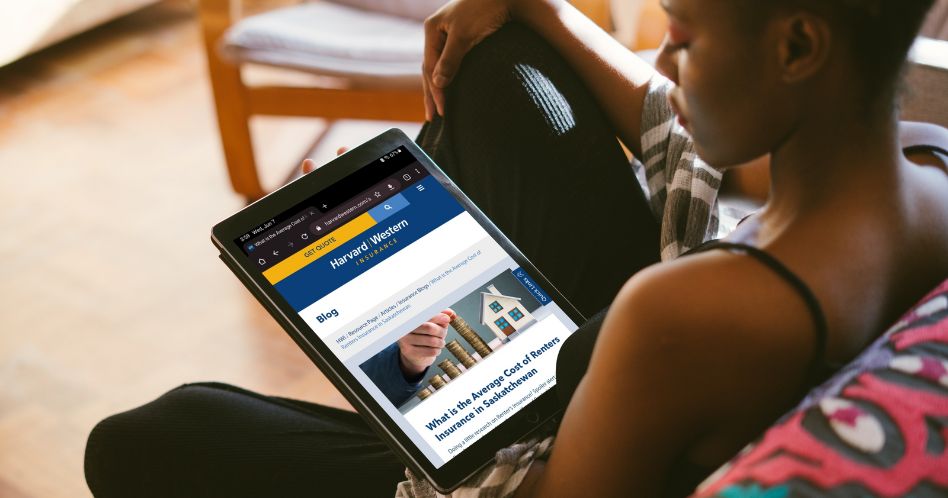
x,y
533,287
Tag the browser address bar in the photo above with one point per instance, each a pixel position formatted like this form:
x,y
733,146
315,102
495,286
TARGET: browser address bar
x,y
355,205
344,233
359,204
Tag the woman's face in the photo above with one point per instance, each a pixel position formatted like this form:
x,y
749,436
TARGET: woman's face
x,y
728,93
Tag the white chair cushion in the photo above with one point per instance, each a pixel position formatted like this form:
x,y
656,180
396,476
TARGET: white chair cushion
x,y
367,48
411,9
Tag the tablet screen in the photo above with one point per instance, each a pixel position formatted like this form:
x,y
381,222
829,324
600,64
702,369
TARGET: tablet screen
x,y
378,262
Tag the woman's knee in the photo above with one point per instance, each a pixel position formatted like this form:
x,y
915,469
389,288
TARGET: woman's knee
x,y
507,73
110,454
512,44
126,452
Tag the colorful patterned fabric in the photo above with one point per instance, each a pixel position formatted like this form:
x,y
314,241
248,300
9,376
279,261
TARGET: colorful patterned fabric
x,y
879,428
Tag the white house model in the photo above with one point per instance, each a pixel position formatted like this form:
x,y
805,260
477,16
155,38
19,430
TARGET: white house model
x,y
503,315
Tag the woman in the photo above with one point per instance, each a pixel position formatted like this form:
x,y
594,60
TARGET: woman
x,y
716,360
701,353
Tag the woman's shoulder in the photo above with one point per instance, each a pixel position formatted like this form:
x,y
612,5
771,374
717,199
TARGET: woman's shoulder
x,y
696,340
725,286
718,311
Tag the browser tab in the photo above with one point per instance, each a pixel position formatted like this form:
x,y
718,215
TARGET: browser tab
x,y
341,192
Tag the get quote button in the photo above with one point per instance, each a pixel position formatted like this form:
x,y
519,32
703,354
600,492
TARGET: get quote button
x,y
321,245
319,248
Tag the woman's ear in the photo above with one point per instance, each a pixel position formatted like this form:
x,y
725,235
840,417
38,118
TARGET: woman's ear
x,y
804,46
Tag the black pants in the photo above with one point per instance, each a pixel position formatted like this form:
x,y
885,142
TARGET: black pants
x,y
526,141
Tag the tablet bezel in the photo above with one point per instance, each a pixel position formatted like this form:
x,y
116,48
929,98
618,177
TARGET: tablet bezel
x,y
454,472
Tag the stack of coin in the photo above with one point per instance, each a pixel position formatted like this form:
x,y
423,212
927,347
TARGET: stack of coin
x,y
438,382
450,368
424,393
470,336
461,354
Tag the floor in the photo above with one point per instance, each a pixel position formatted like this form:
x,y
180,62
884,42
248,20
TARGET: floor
x,y
112,293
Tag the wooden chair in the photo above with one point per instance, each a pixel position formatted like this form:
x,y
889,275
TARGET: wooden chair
x,y
236,102
394,95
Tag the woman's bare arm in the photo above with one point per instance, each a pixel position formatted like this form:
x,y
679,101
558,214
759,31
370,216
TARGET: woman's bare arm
x,y
688,366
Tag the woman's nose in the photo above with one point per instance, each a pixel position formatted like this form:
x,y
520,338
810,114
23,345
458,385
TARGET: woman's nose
x,y
667,61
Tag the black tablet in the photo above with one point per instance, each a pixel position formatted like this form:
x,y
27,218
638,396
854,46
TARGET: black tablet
x,y
357,255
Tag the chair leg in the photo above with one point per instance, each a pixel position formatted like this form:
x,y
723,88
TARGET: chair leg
x,y
230,99
233,119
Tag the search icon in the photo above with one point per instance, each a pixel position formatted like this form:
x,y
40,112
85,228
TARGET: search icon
x,y
388,207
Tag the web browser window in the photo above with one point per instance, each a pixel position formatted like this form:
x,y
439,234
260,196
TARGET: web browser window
x,y
370,259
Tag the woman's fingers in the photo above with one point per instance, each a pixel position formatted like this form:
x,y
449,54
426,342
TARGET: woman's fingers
x,y
454,49
429,100
446,67
449,34
309,165
434,43
444,49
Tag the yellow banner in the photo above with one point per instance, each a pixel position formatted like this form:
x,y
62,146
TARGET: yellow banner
x,y
318,249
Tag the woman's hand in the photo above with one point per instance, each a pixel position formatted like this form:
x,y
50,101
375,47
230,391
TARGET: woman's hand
x,y
449,34
309,165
